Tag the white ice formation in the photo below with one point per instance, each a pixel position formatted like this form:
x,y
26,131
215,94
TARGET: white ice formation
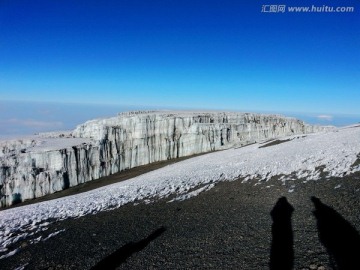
x,y
331,153
35,166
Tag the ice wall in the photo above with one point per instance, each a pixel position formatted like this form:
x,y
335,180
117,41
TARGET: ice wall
x,y
46,164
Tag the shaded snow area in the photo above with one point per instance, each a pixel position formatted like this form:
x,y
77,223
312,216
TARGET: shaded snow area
x,y
300,157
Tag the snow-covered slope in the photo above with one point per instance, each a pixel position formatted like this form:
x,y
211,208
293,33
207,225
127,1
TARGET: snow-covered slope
x,y
44,164
334,153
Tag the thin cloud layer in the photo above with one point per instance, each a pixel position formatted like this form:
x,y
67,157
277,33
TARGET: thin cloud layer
x,y
325,117
32,123
17,126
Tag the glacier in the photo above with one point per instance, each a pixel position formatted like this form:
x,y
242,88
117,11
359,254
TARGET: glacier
x,y
309,157
38,165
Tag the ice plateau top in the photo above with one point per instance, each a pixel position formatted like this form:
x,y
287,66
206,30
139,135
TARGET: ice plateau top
x,y
35,166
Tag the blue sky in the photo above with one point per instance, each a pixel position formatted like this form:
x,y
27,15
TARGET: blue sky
x,y
224,55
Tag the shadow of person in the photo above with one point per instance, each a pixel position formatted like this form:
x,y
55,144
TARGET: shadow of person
x,y
119,256
338,236
282,251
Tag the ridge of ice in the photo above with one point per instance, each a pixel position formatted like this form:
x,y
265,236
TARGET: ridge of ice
x,y
50,162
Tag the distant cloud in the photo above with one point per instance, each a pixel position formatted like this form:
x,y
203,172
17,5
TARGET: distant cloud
x,y
16,126
325,117
44,111
32,123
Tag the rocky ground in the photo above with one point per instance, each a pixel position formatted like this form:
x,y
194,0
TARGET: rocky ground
x,y
228,227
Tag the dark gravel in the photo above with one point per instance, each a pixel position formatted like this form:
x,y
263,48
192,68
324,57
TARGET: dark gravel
x,y
228,227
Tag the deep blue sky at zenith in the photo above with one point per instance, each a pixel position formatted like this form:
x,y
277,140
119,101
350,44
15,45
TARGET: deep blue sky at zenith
x,y
224,55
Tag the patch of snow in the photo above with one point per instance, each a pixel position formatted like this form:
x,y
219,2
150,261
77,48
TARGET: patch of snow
x,y
291,189
193,193
334,151
35,240
10,254
49,144
53,234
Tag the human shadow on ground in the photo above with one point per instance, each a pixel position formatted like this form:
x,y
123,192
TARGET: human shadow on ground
x,y
338,236
115,259
282,251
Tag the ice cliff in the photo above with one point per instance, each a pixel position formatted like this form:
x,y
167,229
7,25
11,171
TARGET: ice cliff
x,y
35,166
